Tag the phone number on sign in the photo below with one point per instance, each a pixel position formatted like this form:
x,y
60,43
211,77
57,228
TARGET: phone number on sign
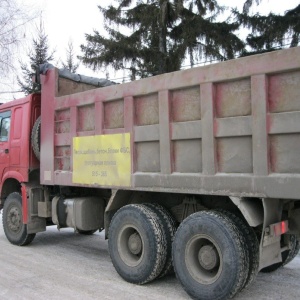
x,y
99,173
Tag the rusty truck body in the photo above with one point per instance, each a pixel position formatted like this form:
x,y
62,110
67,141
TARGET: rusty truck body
x,y
196,170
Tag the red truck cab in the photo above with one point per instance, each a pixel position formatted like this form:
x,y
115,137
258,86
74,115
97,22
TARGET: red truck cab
x,y
17,160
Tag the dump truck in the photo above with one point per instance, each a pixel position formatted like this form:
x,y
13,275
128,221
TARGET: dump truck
x,y
195,171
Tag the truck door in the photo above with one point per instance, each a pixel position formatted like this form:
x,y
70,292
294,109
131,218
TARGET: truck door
x,y
4,141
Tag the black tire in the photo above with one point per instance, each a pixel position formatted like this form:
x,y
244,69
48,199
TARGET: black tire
x,y
295,249
36,138
86,232
169,225
253,246
287,255
12,219
137,244
209,256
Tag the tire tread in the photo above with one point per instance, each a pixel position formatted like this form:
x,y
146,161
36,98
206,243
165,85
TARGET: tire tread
x,y
169,226
35,137
25,238
252,244
229,228
153,224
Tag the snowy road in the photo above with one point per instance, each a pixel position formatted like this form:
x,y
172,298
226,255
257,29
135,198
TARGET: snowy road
x,y
64,265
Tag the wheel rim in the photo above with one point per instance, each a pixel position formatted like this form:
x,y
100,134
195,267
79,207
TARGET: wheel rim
x,y
14,219
130,246
203,259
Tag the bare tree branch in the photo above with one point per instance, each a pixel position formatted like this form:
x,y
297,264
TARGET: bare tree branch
x,y
13,19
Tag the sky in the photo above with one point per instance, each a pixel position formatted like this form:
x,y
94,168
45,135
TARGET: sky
x,y
66,20
70,20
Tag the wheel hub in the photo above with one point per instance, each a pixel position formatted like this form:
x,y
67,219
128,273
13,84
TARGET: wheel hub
x,y
135,243
208,257
14,219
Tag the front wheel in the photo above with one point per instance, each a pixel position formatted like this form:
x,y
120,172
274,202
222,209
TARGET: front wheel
x,y
12,219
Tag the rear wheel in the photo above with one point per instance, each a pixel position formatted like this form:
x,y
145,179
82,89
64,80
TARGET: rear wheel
x,y
14,228
209,256
137,244
295,249
168,224
86,232
252,243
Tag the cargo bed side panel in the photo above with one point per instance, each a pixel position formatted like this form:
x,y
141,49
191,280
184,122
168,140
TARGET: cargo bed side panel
x,y
231,128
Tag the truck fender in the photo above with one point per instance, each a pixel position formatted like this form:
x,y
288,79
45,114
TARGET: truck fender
x,y
13,175
118,199
251,209
11,182
265,212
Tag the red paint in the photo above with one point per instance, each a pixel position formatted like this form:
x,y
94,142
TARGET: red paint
x,y
273,153
24,204
17,156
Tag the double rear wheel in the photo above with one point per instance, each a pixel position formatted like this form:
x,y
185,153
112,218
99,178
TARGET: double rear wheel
x,y
214,255
140,239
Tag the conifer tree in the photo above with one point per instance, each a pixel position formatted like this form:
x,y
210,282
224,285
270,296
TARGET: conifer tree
x,y
163,33
39,54
203,36
70,63
270,32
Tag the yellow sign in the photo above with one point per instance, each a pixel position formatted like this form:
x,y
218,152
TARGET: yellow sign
x,y
102,160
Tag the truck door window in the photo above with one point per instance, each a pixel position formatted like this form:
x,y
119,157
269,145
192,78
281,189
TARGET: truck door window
x,y
4,126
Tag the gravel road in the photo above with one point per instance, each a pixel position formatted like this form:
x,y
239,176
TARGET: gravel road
x,y
65,265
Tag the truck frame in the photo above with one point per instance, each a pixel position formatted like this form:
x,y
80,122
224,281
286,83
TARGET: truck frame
x,y
196,170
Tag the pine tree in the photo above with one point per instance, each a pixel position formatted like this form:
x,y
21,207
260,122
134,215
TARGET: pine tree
x,y
205,37
143,52
70,63
164,33
270,32
38,55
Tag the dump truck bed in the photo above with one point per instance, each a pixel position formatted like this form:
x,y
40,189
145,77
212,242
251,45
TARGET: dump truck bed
x,y
231,128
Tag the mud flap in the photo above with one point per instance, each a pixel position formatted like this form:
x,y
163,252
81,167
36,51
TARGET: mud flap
x,y
270,248
33,194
